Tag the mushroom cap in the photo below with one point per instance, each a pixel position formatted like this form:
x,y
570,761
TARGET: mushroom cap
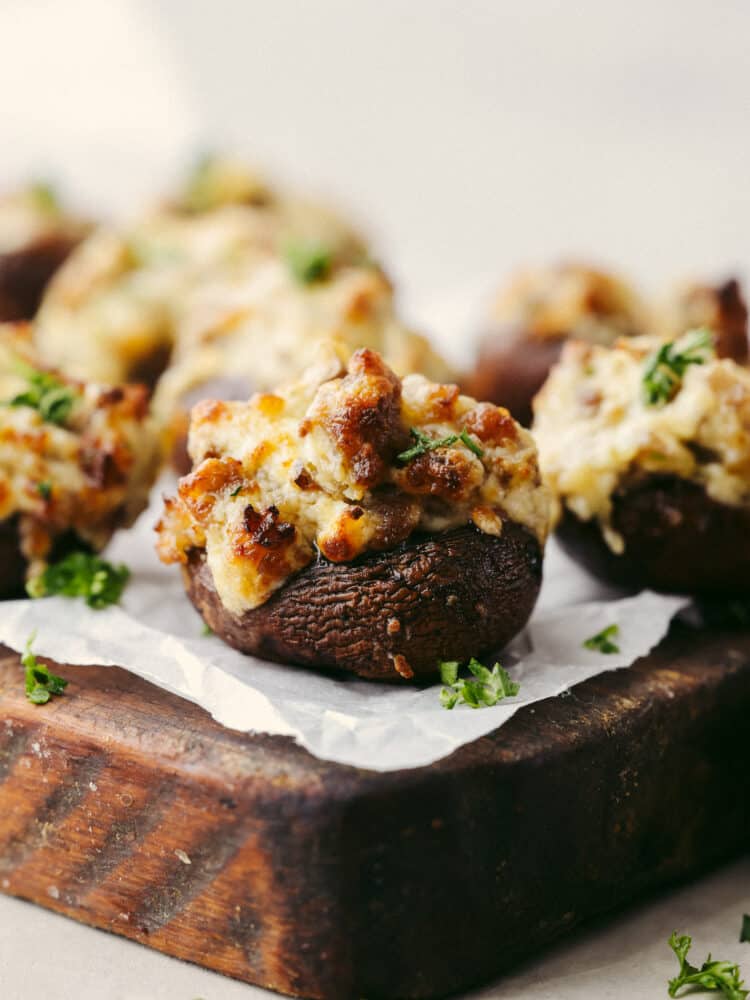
x,y
389,615
677,538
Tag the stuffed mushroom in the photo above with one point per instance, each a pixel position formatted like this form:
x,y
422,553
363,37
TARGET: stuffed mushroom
x,y
359,521
264,324
76,462
36,235
646,448
116,309
534,316
721,308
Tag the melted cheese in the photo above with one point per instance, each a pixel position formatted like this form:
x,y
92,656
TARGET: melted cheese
x,y
570,300
314,465
121,299
212,291
90,476
262,327
595,432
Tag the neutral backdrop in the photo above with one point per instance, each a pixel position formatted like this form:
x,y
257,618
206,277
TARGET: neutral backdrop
x,y
468,136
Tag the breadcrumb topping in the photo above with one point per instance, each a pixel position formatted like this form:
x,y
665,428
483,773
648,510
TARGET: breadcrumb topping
x,y
88,473
320,466
596,432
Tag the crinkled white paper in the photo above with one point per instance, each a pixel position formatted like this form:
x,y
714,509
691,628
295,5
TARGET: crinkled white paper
x,y
157,634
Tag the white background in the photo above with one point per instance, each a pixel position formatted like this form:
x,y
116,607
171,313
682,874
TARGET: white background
x,y
469,136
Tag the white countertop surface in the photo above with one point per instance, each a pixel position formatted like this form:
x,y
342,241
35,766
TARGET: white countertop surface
x,y
47,957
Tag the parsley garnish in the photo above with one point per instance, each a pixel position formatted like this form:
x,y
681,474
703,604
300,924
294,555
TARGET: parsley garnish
x,y
40,683
237,491
712,975
308,262
206,630
45,197
665,368
52,398
487,689
745,930
200,193
602,641
81,574
44,490
425,444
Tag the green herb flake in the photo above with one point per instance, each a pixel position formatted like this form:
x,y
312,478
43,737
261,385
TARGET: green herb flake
x,y
470,443
52,398
81,574
45,197
41,684
308,262
665,369
207,630
485,689
44,490
235,492
745,929
200,194
723,977
424,443
602,641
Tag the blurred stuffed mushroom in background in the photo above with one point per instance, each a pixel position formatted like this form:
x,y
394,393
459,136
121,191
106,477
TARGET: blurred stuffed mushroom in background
x,y
37,233
533,317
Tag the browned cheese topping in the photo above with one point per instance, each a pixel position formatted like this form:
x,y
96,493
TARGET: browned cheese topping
x,y
81,460
570,300
349,459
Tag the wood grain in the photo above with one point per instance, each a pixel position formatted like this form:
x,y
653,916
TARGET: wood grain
x,y
127,808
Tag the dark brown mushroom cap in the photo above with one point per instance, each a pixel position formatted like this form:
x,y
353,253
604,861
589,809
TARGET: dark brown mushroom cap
x,y
677,538
731,331
25,273
389,615
12,563
512,366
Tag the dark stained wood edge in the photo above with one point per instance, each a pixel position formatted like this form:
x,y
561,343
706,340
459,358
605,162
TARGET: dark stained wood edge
x,y
129,809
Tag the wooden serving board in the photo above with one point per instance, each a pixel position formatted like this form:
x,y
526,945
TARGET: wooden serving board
x,y
129,809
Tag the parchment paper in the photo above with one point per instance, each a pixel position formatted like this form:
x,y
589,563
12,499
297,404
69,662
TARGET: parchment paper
x,y
156,634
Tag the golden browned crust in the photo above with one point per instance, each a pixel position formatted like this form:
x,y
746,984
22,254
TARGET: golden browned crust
x,y
354,460
85,471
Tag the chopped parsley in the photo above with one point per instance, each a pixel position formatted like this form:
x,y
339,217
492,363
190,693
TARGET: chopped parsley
x,y
665,368
206,630
602,641
44,490
425,444
308,262
40,683
52,398
235,492
45,197
200,194
81,574
745,929
485,689
723,977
